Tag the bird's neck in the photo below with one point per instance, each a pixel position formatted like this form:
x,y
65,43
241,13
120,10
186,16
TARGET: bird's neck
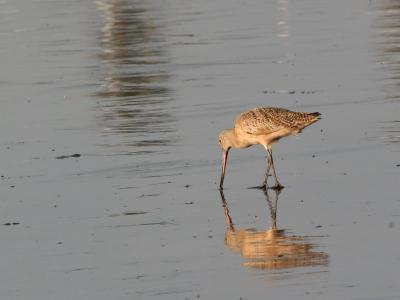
x,y
235,141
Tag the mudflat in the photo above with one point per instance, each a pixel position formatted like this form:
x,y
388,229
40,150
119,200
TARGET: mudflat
x,y
110,112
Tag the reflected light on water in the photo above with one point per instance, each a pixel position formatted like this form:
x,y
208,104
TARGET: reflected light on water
x,y
387,23
134,95
283,29
273,248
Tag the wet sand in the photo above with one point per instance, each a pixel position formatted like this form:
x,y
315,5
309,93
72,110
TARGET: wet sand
x,y
110,162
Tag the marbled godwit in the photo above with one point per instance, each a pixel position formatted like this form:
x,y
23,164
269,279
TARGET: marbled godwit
x,y
264,126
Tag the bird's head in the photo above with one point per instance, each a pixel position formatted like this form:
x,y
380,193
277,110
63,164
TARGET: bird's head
x,y
226,139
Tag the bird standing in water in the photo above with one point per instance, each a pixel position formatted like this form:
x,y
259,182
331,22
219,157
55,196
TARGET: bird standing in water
x,y
264,126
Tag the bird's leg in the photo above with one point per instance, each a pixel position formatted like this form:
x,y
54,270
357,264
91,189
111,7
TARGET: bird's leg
x,y
264,184
269,163
277,186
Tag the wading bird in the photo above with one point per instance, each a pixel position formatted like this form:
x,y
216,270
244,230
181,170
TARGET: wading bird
x,y
264,126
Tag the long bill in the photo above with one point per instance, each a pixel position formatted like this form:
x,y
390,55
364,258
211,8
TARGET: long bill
x,y
223,167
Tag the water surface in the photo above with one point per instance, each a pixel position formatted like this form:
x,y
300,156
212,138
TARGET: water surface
x,y
141,89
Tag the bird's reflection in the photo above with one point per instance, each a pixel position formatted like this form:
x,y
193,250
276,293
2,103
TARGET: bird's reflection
x,y
272,248
387,23
135,100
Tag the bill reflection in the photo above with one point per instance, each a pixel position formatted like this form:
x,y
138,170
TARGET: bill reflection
x,y
272,248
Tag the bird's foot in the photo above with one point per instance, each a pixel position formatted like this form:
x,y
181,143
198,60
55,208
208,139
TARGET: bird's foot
x,y
277,187
259,187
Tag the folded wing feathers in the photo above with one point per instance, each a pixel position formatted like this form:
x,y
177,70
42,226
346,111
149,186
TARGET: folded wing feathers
x,y
265,120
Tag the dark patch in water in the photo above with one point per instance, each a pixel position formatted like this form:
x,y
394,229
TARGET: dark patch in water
x,y
148,195
78,269
143,224
133,277
136,212
11,223
129,213
289,92
68,156
127,188
164,182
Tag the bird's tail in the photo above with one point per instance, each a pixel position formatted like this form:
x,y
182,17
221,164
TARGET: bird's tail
x,y
316,114
312,118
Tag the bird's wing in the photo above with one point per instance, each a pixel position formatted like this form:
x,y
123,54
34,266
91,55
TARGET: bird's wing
x,y
266,120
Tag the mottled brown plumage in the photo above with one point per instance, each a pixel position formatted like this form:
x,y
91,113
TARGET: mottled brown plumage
x,y
264,126
266,120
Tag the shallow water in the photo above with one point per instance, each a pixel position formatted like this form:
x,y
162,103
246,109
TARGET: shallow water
x,y
141,89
